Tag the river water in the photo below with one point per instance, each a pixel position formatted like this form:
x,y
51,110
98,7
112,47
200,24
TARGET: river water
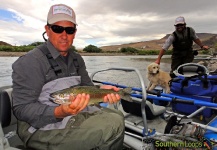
x,y
95,63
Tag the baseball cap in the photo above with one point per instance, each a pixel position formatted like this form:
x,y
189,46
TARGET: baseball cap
x,y
61,12
180,20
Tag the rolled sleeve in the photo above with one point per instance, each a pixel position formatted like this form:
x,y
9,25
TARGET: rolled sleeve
x,y
168,42
193,33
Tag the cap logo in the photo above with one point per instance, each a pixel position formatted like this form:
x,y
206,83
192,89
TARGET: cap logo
x,y
179,19
62,10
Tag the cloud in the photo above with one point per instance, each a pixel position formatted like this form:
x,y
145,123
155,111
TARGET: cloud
x,y
105,22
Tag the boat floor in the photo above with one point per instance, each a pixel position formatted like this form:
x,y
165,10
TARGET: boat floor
x,y
157,123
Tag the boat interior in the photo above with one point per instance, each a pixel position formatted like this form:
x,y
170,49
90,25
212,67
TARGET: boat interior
x,y
147,119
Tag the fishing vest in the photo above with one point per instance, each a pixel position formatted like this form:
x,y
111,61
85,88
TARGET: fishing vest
x,y
56,85
183,42
56,68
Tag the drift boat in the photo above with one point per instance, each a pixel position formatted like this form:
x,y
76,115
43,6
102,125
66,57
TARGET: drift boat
x,y
149,123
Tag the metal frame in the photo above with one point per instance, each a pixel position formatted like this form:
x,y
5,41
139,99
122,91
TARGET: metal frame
x,y
133,140
144,95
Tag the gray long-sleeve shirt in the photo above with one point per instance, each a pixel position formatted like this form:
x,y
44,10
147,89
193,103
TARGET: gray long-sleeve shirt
x,y
30,73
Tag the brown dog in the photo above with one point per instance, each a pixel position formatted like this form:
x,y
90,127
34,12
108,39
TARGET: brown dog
x,y
157,77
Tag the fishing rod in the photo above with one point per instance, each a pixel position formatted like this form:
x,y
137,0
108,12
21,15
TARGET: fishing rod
x,y
195,51
157,93
166,97
212,54
117,85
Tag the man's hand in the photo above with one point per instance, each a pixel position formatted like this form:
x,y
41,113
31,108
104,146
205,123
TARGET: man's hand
x,y
157,61
111,98
205,47
77,105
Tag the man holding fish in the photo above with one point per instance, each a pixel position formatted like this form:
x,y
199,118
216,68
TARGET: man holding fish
x,y
49,120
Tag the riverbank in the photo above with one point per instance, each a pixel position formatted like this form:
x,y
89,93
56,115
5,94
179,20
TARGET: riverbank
x,y
11,54
18,54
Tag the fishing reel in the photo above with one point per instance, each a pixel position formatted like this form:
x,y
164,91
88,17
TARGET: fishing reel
x,y
195,52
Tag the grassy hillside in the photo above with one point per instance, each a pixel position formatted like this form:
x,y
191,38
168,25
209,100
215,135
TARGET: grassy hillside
x,y
207,38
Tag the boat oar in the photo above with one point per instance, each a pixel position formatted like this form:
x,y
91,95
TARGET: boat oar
x,y
123,86
133,88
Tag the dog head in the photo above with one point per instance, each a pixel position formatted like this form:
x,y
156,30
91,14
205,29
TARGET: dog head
x,y
153,68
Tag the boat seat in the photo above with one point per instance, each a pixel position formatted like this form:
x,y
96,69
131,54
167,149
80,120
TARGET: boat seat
x,y
191,69
6,114
8,120
152,110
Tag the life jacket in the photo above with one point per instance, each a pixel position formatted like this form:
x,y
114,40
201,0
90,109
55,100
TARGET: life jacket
x,y
181,42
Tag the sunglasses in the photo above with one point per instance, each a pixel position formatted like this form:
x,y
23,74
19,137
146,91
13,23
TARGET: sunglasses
x,y
179,25
60,29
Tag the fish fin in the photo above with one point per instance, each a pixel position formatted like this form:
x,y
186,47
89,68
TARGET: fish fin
x,y
51,99
74,86
127,90
92,103
127,98
51,95
126,94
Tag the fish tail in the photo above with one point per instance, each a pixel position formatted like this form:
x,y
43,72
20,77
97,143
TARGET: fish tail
x,y
125,95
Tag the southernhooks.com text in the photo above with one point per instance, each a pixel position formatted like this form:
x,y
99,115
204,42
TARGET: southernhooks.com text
x,y
173,144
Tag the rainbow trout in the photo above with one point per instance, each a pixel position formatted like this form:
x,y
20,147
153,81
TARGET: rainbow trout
x,y
96,94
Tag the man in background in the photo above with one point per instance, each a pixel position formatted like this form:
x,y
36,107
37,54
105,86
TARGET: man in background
x,y
182,40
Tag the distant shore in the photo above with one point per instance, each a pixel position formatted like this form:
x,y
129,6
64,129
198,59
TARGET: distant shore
x,y
17,54
11,54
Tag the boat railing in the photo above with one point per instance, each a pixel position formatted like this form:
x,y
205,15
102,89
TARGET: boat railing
x,y
144,94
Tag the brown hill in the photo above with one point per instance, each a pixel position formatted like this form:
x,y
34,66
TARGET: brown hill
x,y
207,38
4,43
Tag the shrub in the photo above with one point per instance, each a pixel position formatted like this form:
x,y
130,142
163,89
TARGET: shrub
x,y
205,52
129,50
92,49
35,43
6,48
74,48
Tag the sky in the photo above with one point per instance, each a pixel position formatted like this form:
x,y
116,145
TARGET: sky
x,y
106,22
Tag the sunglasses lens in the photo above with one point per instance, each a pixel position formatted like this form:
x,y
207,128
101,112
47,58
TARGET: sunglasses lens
x,y
70,30
57,29
60,29
179,25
